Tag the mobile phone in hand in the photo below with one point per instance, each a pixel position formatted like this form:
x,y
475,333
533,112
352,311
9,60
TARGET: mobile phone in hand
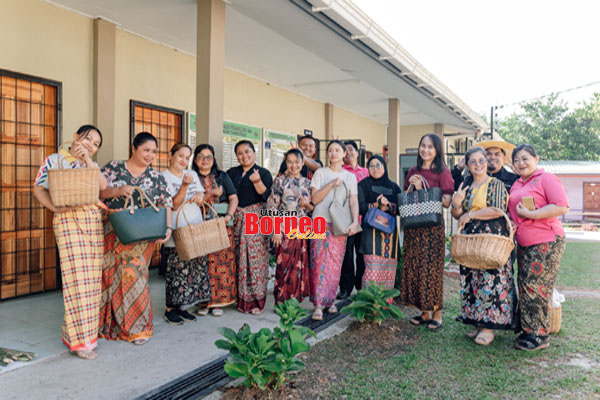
x,y
528,202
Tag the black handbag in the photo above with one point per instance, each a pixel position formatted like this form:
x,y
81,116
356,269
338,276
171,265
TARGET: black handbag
x,y
420,208
136,225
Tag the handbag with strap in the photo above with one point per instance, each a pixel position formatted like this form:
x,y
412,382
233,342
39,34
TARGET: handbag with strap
x,y
341,217
136,225
380,220
420,208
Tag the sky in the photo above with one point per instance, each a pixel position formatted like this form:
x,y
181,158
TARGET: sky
x,y
499,52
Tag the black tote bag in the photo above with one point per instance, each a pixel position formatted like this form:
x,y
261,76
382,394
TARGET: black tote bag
x,y
420,208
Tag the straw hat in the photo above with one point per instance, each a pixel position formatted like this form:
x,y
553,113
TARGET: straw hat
x,y
507,147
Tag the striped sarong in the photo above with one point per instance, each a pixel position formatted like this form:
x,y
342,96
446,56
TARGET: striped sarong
x,y
79,237
126,310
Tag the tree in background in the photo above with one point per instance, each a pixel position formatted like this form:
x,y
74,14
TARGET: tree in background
x,y
556,132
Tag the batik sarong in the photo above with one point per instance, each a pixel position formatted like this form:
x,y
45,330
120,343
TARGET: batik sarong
x,y
292,272
326,256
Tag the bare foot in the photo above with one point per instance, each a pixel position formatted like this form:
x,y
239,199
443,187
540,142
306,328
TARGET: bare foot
x,y
86,354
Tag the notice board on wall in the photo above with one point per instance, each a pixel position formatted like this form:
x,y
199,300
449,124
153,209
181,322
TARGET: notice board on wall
x,y
233,132
276,144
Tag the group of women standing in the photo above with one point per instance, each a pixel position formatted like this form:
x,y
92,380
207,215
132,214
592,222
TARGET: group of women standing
x,y
105,282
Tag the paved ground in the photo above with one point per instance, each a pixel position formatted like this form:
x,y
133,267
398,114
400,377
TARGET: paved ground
x,y
122,370
580,236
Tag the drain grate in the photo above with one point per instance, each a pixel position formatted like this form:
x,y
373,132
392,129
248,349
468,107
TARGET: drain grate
x,y
210,377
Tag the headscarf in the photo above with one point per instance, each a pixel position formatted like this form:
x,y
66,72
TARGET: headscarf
x,y
372,187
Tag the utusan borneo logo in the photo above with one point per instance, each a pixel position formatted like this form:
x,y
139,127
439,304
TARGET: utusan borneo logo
x,y
285,223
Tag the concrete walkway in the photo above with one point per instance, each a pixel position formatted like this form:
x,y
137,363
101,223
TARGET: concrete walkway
x,y
122,370
582,236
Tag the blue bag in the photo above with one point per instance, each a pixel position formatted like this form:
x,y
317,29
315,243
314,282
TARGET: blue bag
x,y
380,220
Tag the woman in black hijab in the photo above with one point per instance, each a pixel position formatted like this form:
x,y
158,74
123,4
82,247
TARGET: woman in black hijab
x,y
380,249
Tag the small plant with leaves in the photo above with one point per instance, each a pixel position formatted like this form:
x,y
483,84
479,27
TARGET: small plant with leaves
x,y
371,305
265,357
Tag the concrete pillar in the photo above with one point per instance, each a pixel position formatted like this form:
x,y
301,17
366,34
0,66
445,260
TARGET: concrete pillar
x,y
210,74
104,87
393,139
438,129
329,121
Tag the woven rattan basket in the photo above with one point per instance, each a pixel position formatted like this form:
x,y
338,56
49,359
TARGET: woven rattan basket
x,y
72,187
483,250
555,319
192,241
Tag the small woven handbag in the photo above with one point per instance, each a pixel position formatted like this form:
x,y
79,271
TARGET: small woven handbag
x,y
420,208
136,225
196,240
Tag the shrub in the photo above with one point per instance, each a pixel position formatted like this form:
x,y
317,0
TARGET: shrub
x,y
265,357
370,304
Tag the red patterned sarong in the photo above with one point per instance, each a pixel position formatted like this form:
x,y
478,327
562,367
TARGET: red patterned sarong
x,y
292,271
126,311
252,254
326,256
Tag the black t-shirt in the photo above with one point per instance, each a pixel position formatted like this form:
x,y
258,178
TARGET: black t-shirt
x,y
245,188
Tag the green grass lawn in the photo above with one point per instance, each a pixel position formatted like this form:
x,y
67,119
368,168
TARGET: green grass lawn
x,y
448,365
580,266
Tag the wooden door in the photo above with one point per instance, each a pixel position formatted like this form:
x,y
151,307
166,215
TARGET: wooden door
x,y
591,199
28,134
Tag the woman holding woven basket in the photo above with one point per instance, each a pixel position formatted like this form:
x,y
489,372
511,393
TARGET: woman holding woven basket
x,y
186,282
422,284
79,236
488,299
221,265
537,199
253,184
126,312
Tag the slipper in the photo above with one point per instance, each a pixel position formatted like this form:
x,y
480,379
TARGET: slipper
x,y
317,315
332,309
484,338
418,321
473,333
531,343
86,354
217,312
201,311
434,325
256,311
140,342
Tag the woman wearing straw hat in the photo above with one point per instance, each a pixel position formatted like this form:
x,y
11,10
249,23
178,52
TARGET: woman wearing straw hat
x,y
487,296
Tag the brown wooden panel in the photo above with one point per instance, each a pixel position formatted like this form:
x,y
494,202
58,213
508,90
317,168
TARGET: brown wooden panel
x,y
37,92
23,90
23,155
50,95
147,114
9,156
50,115
8,175
9,110
155,116
50,137
8,132
9,87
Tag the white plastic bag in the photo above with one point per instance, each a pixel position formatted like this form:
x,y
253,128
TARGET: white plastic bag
x,y
557,298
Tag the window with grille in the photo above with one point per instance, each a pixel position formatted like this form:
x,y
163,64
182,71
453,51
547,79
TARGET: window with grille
x,y
166,124
29,132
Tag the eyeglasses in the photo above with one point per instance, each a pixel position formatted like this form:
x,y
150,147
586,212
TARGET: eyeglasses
x,y
482,161
202,158
375,166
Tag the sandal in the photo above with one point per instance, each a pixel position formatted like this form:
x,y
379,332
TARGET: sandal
x,y
217,312
201,311
434,325
473,333
256,311
418,320
317,315
86,354
532,343
142,341
332,309
484,338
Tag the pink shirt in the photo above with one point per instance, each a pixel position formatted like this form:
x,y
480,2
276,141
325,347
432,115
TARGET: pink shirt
x,y
545,189
360,172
